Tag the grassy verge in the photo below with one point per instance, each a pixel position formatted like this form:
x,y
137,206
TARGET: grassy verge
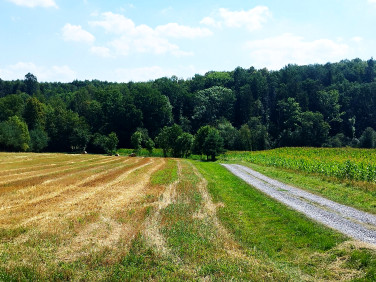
x,y
272,232
194,247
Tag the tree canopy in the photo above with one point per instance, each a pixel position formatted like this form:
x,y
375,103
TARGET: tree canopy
x,y
312,105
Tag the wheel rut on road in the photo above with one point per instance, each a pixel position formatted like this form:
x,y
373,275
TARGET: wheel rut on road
x,y
347,220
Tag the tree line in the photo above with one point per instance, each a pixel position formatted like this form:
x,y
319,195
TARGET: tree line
x,y
329,105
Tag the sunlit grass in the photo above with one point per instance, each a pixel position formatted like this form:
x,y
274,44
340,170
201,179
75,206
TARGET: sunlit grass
x,y
271,231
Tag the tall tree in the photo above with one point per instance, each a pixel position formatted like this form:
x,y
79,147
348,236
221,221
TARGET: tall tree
x,y
14,134
31,84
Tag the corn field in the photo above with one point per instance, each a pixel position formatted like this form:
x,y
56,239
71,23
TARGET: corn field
x,y
341,163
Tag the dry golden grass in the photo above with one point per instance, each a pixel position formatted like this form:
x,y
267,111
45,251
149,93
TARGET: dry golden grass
x,y
100,218
68,207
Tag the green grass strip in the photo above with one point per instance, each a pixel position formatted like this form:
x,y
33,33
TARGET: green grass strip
x,y
271,231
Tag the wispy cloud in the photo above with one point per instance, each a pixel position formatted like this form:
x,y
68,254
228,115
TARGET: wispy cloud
x,y
145,39
142,74
101,51
35,3
77,34
252,19
181,31
43,73
276,52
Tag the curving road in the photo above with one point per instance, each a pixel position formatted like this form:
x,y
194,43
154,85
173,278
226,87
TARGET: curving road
x,y
349,221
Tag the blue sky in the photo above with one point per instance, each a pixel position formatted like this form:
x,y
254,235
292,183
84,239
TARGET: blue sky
x,y
63,40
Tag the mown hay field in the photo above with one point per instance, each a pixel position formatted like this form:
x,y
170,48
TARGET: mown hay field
x,y
91,217
101,218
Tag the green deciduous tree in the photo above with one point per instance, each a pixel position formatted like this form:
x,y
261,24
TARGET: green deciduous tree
x,y
106,144
14,134
213,144
208,141
31,84
34,113
184,144
12,105
38,139
167,139
245,138
211,104
136,140
368,138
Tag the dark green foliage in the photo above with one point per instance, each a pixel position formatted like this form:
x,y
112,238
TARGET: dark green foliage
x,y
167,140
67,131
184,144
200,137
295,106
245,138
213,144
211,104
11,105
209,142
112,143
136,140
31,84
34,113
14,134
368,138
229,134
38,139
105,144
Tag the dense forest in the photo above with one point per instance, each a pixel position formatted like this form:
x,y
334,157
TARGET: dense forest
x,y
329,105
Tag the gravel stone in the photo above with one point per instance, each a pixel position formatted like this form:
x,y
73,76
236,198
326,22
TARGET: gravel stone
x,y
347,220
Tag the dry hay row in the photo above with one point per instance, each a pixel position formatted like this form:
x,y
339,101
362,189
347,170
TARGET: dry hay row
x,y
64,200
41,164
14,159
115,228
38,198
54,187
19,172
84,221
82,175
34,179
152,226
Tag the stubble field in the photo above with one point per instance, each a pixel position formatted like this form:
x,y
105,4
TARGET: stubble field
x,y
91,217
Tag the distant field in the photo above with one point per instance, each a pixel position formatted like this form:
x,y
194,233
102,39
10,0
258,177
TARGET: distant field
x,y
91,217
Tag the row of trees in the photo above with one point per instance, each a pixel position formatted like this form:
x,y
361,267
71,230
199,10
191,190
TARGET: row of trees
x,y
314,105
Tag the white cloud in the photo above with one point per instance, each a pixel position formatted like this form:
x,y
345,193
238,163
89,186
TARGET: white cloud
x,y
357,39
43,73
180,31
100,51
372,1
252,19
142,74
143,38
276,52
209,21
77,34
35,3
115,23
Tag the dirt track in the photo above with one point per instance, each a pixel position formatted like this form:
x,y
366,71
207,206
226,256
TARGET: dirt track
x,y
349,221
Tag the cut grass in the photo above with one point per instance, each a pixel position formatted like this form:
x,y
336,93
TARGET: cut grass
x,y
271,231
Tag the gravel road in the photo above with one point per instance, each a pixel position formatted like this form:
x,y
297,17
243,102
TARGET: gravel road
x,y
349,221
